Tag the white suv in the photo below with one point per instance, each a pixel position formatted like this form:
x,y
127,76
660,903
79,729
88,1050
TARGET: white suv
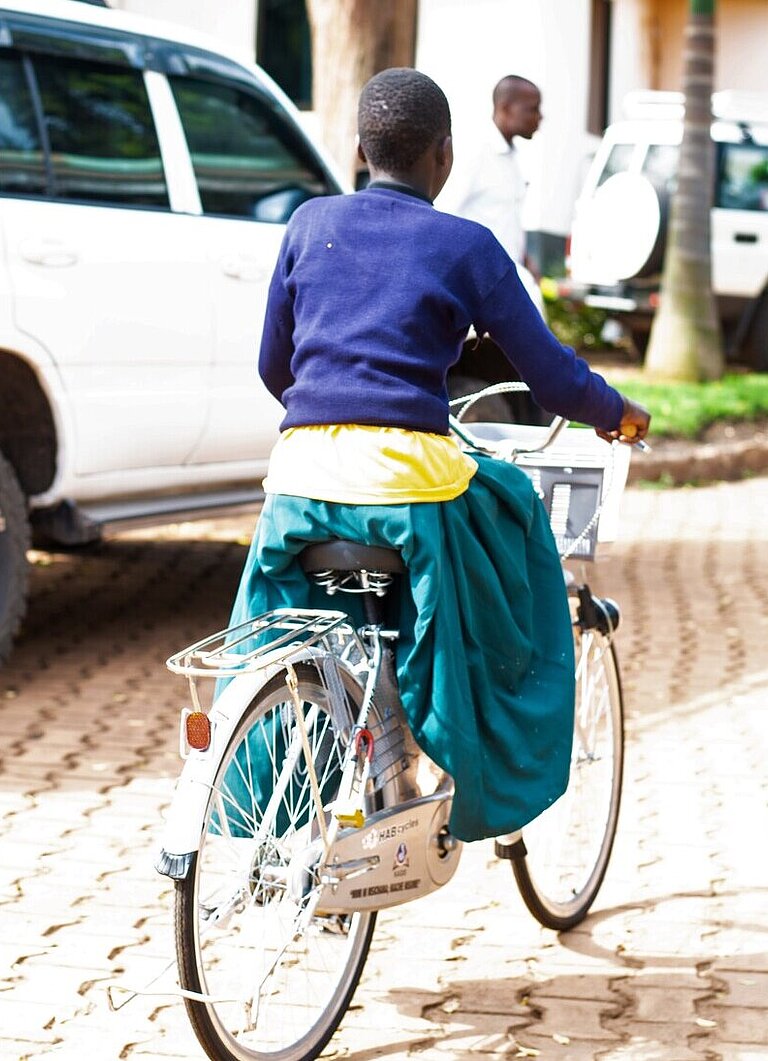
x,y
618,235
145,179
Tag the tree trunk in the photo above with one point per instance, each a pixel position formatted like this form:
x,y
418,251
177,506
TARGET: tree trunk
x,y
351,41
685,341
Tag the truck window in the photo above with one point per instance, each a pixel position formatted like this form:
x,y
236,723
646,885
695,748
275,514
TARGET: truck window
x,y
660,166
618,161
104,146
249,163
22,161
742,177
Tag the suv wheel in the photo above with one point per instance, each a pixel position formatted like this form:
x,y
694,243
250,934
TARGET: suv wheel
x,y
14,542
754,352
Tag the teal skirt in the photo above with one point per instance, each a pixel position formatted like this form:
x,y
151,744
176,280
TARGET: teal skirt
x,y
485,655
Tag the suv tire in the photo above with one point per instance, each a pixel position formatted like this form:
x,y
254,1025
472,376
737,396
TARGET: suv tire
x,y
14,542
754,352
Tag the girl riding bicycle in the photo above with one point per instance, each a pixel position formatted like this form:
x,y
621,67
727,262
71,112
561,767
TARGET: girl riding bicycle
x,y
371,299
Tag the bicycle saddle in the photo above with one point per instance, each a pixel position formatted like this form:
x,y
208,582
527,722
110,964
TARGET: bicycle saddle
x,y
338,555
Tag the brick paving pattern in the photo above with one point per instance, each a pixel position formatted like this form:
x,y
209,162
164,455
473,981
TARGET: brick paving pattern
x,y
672,964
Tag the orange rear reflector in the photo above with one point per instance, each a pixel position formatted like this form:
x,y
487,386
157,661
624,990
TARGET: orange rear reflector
x,y
198,730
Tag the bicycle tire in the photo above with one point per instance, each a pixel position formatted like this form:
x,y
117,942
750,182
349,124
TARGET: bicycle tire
x,y
305,991
568,847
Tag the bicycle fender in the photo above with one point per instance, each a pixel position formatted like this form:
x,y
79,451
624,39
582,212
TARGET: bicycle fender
x,y
183,825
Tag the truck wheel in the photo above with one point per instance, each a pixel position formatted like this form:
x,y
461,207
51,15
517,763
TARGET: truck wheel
x,y
754,351
639,338
14,542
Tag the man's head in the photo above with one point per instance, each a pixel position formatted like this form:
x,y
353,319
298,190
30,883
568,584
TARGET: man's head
x,y
402,114
516,107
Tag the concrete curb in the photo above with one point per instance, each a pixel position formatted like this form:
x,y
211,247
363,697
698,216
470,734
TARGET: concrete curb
x,y
696,462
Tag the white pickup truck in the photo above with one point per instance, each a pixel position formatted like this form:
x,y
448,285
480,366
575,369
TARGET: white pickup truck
x,y
619,226
145,179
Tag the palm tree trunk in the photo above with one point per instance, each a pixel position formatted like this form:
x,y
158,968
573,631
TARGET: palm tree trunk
x,y
685,341
351,41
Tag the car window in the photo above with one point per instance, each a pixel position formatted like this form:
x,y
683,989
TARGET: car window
x,y
22,160
742,177
618,161
103,143
249,163
660,166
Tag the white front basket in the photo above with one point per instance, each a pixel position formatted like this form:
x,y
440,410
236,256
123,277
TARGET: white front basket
x,y
576,476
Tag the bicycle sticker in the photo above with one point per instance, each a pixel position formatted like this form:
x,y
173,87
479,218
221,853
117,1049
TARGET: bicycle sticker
x,y
401,861
377,836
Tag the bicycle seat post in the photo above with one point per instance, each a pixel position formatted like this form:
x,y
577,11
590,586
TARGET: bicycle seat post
x,y
373,604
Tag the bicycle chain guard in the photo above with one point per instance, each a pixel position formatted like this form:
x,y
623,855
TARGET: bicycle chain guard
x,y
400,854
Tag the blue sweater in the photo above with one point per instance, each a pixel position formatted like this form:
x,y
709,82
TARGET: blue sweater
x,y
370,303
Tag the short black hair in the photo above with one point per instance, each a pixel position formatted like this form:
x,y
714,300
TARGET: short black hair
x,y
509,87
401,112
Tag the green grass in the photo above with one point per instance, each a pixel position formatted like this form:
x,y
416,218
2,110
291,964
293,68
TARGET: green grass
x,y
684,410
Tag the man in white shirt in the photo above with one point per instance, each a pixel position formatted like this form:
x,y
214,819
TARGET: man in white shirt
x,y
487,183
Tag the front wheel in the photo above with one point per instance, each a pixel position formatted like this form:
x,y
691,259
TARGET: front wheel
x,y
274,981
14,542
567,848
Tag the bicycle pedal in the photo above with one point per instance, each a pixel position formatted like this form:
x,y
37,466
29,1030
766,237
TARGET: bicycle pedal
x,y
347,813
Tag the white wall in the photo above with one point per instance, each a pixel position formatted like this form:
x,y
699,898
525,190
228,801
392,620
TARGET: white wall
x,y
468,46
232,21
631,61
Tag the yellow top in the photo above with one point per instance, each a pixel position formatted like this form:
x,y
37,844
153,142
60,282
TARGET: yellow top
x,y
355,464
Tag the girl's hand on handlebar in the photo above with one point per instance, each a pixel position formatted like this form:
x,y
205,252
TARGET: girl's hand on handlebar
x,y
635,421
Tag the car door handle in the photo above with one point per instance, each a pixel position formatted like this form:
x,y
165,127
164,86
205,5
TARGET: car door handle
x,y
242,267
51,252
745,237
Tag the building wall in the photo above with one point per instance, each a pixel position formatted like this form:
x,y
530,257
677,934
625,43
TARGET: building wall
x,y
648,46
742,46
467,48
633,51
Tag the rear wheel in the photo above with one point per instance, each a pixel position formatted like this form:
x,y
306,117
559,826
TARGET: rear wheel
x,y
14,542
277,980
567,848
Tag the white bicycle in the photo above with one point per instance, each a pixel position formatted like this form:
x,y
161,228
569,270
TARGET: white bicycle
x,y
304,805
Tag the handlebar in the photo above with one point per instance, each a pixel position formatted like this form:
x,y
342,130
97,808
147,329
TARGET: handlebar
x,y
468,400
459,429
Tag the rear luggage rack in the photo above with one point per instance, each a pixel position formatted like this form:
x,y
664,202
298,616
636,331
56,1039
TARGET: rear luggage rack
x,y
280,634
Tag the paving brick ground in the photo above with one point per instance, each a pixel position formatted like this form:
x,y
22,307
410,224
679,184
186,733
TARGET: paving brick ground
x,y
671,965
